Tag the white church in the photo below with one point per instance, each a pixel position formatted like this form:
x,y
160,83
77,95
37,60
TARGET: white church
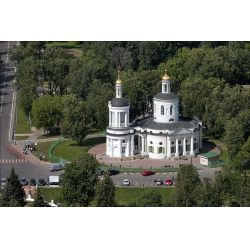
x,y
163,135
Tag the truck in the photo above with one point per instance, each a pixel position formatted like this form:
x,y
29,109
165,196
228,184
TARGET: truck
x,y
53,181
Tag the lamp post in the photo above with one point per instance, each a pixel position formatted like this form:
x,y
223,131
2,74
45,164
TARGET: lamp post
x,y
36,176
130,173
230,155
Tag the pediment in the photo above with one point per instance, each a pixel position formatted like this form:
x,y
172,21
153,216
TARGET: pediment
x,y
181,131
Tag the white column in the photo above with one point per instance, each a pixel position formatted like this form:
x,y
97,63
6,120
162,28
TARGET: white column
x,y
176,147
184,146
112,150
200,137
168,147
132,146
192,145
120,144
142,150
126,119
110,113
127,149
119,119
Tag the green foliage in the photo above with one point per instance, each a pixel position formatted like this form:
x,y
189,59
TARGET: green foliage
x,y
13,193
150,198
75,118
79,180
186,188
47,111
105,193
39,201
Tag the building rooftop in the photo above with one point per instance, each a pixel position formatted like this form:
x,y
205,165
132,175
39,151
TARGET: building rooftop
x,y
210,154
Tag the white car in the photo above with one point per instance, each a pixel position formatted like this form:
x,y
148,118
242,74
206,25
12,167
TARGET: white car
x,y
126,182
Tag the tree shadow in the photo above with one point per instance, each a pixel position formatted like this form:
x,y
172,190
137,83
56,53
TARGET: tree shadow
x,y
90,141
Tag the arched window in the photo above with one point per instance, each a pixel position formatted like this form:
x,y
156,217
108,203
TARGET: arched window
x,y
165,88
162,110
171,109
118,93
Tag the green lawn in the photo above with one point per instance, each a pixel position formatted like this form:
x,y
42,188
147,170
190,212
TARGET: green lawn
x,y
22,125
66,45
69,150
54,133
18,138
43,147
122,195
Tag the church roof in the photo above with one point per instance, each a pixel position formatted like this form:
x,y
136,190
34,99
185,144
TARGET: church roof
x,y
166,96
119,102
171,126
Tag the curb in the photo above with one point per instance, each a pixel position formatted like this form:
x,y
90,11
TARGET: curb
x,y
28,158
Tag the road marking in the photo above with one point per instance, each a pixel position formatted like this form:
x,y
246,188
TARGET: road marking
x,y
157,173
22,160
13,160
19,160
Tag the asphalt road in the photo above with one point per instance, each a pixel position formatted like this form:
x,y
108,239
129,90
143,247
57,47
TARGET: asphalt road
x,y
139,179
28,169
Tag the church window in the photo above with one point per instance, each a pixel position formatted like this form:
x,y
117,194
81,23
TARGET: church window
x,y
173,149
187,147
118,92
151,142
160,150
171,110
186,141
194,139
171,120
165,88
162,110
123,117
123,141
160,143
123,150
150,149
179,141
172,142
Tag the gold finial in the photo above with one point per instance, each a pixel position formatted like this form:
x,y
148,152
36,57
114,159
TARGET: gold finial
x,y
119,81
166,77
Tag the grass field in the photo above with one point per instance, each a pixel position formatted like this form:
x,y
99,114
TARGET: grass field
x,y
54,133
66,45
18,138
70,149
43,147
22,125
122,195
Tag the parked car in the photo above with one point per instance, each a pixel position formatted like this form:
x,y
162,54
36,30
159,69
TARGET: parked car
x,y
23,181
113,171
126,182
41,182
158,182
148,172
102,172
4,182
32,182
168,182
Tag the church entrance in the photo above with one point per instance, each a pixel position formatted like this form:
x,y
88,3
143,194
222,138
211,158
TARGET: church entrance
x,y
116,151
180,150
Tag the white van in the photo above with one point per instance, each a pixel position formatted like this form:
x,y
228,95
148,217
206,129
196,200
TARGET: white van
x,y
53,181
55,167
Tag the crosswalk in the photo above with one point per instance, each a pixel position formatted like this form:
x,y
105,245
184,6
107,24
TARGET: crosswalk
x,y
13,160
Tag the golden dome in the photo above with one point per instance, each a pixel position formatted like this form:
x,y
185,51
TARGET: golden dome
x,y
165,77
118,80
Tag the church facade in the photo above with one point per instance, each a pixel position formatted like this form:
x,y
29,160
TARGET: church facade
x,y
163,135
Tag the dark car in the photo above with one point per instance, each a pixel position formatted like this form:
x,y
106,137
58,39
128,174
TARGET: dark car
x,y
23,181
102,172
42,182
32,182
113,171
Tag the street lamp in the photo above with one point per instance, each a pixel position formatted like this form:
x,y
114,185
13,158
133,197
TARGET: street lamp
x,y
130,172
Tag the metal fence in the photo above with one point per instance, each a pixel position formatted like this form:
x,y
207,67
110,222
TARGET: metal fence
x,y
162,169
217,164
55,158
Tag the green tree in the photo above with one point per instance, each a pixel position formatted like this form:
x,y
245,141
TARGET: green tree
x,y
79,180
47,111
233,137
187,182
150,198
105,193
39,201
13,193
75,118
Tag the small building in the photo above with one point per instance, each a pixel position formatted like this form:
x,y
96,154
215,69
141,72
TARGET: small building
x,y
209,157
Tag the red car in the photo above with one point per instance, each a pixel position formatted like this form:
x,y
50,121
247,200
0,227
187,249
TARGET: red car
x,y
168,182
148,172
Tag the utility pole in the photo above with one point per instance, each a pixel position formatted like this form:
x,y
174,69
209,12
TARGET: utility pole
x,y
130,172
